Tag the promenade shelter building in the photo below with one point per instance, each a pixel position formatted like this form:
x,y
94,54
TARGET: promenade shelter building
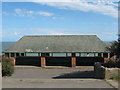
x,y
58,50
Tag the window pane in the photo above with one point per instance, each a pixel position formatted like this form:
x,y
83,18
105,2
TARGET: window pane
x,y
59,54
77,54
31,54
90,54
96,54
83,54
69,54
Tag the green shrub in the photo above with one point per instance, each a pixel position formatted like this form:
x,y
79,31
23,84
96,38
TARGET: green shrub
x,y
7,68
112,64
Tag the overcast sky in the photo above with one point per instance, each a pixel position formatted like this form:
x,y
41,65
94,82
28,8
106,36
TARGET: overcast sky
x,y
59,18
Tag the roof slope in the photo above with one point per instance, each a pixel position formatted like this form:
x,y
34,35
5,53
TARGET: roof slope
x,y
59,43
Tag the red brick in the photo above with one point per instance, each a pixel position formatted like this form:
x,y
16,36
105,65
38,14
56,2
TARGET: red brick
x,y
43,62
106,60
12,61
73,62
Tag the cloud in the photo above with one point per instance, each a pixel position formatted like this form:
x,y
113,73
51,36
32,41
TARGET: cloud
x,y
106,8
30,12
15,33
44,13
18,10
5,13
21,12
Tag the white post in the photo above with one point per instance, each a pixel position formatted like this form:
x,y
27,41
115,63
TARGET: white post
x,y
20,54
9,55
24,54
102,54
15,55
96,54
108,55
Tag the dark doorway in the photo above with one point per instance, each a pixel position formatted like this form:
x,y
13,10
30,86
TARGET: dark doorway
x,y
58,61
88,61
28,60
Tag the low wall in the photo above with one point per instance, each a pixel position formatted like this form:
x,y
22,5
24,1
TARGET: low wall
x,y
111,72
101,72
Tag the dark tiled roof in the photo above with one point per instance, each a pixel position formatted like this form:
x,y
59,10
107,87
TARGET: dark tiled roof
x,y
59,43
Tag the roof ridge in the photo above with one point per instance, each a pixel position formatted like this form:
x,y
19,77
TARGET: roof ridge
x,y
54,35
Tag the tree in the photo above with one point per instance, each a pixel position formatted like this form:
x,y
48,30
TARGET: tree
x,y
115,48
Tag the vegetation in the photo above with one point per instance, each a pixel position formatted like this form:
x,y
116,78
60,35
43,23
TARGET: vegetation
x,y
112,64
7,68
115,48
117,78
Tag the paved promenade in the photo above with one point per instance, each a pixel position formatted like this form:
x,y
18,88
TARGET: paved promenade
x,y
54,78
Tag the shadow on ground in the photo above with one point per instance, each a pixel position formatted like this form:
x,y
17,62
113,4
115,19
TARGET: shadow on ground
x,y
77,74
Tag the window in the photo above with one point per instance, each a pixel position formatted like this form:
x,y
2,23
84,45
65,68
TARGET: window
x,y
31,54
51,54
96,54
90,54
77,54
69,54
83,54
59,54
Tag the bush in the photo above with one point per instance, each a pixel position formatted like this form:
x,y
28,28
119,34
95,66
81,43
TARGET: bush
x,y
112,64
118,63
7,68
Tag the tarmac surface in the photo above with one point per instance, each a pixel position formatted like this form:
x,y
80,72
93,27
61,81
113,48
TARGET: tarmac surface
x,y
82,77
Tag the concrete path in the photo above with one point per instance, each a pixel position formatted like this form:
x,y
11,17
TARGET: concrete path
x,y
54,78
113,83
52,83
